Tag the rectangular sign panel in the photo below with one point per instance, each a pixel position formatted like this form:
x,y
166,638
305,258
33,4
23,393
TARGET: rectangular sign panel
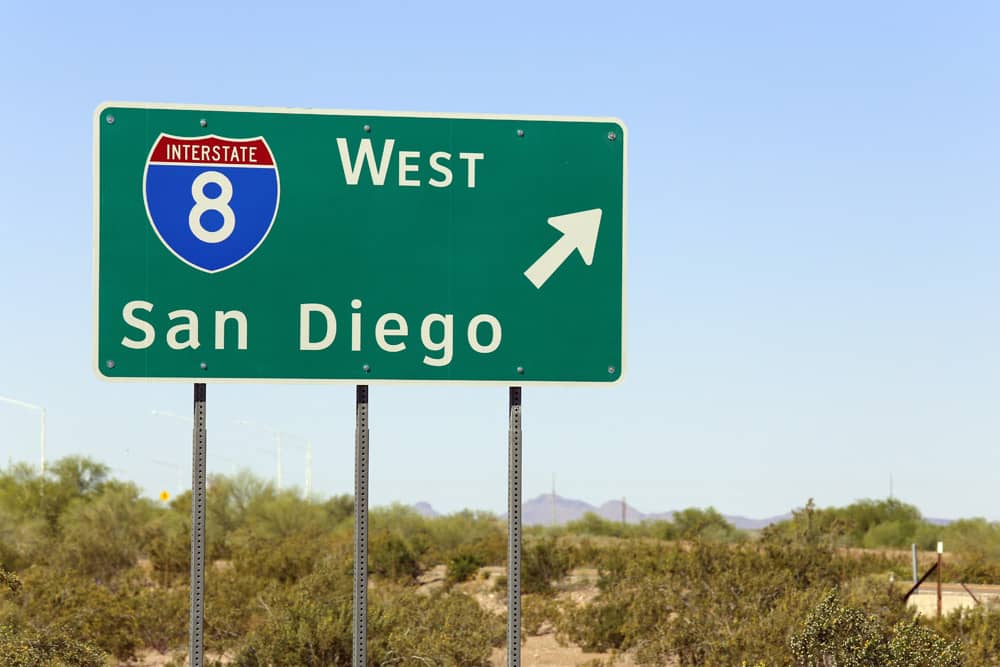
x,y
270,244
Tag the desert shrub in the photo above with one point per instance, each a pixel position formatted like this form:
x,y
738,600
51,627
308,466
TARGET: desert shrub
x,y
285,559
691,523
229,502
481,533
338,509
540,614
836,634
978,629
311,625
463,566
893,534
62,604
544,562
976,545
706,524
864,523
168,546
235,603
161,616
594,525
22,541
29,648
29,500
659,529
9,581
279,535
103,535
709,602
307,626
444,628
392,556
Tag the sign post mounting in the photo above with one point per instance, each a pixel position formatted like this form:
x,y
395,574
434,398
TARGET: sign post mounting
x,y
262,245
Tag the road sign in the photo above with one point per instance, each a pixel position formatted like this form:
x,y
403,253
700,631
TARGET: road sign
x,y
271,244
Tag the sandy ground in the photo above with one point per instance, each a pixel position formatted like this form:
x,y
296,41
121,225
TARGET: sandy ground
x,y
545,651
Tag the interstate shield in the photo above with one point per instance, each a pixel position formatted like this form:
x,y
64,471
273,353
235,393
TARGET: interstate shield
x,y
212,200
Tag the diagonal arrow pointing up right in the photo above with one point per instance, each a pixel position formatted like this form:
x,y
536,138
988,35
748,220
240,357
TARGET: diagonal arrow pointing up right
x,y
579,233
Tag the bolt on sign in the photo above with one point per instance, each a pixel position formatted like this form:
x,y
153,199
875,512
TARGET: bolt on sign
x,y
271,244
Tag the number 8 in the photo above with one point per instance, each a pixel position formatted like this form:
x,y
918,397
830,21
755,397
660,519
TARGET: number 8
x,y
220,204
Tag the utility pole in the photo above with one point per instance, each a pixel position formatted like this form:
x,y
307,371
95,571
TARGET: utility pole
x,y
279,441
940,551
623,510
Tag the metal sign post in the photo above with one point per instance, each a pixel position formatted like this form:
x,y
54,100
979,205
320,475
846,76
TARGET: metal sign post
x,y
361,529
500,239
514,531
197,648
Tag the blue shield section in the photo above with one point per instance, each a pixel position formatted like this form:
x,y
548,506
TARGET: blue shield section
x,y
170,201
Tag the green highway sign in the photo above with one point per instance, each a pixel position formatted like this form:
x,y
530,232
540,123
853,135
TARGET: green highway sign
x,y
257,244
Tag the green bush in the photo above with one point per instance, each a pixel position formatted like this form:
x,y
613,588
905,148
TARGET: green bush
x,y
50,649
978,629
463,566
543,563
235,603
168,546
309,625
392,556
104,534
707,524
540,612
594,525
480,533
62,603
444,628
161,616
312,625
840,635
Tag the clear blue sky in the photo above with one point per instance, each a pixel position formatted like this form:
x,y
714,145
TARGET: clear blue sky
x,y
813,264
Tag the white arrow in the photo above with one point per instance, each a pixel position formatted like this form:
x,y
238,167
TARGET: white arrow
x,y
579,233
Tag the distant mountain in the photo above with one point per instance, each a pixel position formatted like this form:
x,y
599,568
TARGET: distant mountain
x,y
425,510
548,510
612,511
539,511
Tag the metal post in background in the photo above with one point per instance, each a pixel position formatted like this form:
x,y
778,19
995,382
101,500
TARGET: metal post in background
x,y
940,551
197,648
514,530
914,546
361,529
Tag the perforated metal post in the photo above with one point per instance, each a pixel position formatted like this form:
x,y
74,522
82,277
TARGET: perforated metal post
x,y
360,658
514,530
197,649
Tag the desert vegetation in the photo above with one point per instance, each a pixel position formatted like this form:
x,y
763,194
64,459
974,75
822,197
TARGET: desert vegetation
x,y
94,573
